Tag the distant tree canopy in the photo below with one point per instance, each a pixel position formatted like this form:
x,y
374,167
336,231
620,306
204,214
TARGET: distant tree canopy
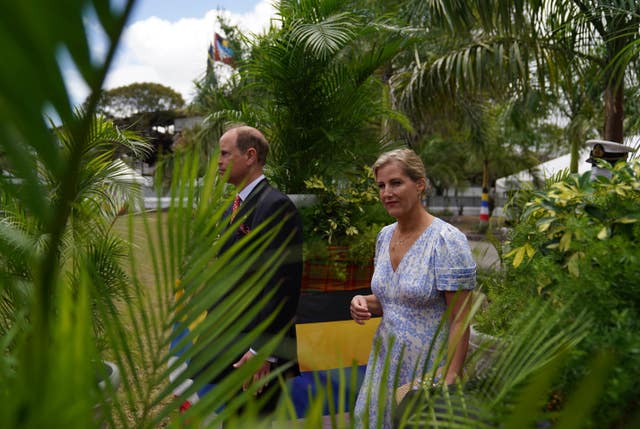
x,y
131,100
145,108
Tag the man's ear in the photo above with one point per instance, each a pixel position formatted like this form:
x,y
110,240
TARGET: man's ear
x,y
252,155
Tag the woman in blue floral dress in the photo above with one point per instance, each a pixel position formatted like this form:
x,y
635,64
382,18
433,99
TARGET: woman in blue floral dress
x,y
423,266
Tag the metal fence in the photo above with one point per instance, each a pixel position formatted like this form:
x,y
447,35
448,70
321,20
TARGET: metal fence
x,y
455,205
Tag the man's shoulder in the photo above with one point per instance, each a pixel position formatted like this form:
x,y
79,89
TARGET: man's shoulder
x,y
272,197
273,193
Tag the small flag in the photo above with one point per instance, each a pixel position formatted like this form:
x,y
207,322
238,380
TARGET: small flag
x,y
222,50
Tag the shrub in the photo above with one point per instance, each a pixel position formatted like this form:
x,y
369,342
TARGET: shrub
x,y
343,209
341,228
576,243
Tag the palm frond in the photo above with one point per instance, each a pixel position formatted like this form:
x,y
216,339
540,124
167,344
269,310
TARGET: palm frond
x,y
324,39
185,246
516,384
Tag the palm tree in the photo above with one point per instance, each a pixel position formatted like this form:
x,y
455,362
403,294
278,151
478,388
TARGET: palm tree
x,y
314,90
103,189
527,44
47,365
57,249
512,390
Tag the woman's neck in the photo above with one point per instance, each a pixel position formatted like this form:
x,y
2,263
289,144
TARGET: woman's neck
x,y
417,220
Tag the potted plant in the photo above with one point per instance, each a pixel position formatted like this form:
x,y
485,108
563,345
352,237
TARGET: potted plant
x,y
340,233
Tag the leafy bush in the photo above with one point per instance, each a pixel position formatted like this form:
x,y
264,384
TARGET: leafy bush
x,y
343,209
577,242
502,302
342,226
346,214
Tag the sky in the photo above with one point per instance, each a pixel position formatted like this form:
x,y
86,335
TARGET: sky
x,y
166,41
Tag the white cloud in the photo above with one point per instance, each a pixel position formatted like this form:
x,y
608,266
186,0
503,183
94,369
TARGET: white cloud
x,y
174,53
170,53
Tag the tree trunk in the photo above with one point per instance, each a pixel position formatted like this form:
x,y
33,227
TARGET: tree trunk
x,y
614,110
485,174
575,154
576,137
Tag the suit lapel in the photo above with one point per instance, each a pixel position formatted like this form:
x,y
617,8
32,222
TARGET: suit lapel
x,y
255,194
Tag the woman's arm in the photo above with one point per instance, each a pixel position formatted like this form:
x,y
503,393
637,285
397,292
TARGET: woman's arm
x,y
363,307
458,341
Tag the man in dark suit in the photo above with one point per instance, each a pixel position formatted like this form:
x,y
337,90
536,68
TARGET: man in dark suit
x,y
243,153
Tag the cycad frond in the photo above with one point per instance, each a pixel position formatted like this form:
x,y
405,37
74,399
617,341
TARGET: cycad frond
x,y
185,245
518,375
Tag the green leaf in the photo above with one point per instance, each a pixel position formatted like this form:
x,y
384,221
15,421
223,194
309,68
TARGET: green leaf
x,y
530,250
577,412
544,223
595,211
519,255
572,264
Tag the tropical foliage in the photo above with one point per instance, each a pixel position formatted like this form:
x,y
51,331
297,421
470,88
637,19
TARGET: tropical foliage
x,y
321,97
103,189
342,210
513,391
577,242
437,64
507,48
315,90
59,259
342,224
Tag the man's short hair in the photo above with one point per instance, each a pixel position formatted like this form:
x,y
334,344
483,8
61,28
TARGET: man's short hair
x,y
249,137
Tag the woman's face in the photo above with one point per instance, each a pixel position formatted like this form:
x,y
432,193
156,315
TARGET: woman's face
x,y
398,192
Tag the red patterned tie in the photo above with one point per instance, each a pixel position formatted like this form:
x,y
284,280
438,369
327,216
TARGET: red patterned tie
x,y
235,206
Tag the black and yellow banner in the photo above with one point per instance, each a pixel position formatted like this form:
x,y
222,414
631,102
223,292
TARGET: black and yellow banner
x,y
329,343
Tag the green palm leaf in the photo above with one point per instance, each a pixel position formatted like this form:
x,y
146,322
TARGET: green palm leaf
x,y
316,91
48,377
516,385
195,231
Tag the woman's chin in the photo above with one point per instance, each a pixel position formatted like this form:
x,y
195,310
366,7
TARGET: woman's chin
x,y
394,212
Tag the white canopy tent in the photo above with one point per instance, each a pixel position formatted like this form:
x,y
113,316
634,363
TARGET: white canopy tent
x,y
541,172
552,167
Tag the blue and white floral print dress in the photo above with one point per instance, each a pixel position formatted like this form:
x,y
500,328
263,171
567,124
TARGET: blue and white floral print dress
x,y
413,303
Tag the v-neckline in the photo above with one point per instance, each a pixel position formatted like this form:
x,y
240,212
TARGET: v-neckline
x,y
395,270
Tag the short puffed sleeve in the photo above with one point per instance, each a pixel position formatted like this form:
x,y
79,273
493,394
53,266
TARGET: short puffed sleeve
x,y
455,268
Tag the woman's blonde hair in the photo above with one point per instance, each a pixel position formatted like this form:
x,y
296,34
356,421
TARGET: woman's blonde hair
x,y
411,163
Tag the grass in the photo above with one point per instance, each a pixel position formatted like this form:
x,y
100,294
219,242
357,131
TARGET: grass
x,y
145,361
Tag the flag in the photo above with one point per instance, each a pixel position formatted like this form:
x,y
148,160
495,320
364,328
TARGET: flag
x,y
222,50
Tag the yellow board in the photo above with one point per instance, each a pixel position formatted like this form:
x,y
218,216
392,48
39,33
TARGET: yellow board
x,y
329,345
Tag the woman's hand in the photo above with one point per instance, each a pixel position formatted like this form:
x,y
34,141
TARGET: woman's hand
x,y
360,309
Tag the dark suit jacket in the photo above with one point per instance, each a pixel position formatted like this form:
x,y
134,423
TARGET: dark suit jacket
x,y
261,205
